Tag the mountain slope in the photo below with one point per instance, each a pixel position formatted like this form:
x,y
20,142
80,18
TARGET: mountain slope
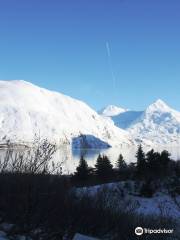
x,y
126,119
26,110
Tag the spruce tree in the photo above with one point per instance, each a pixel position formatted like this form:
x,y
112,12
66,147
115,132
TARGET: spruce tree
x,y
104,168
165,163
165,157
121,164
141,162
82,171
153,163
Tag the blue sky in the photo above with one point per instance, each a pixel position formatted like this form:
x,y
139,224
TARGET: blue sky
x,y
61,45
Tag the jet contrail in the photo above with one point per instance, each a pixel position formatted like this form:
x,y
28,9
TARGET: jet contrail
x,y
108,49
110,64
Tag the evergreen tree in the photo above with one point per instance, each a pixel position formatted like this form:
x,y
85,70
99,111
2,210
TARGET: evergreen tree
x,y
82,171
153,163
121,164
165,163
104,168
141,162
159,165
150,156
177,168
165,157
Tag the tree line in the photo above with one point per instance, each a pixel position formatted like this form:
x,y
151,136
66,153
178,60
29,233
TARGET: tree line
x,y
148,166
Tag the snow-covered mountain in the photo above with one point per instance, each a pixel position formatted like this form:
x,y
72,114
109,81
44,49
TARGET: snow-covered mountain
x,y
26,110
111,110
158,124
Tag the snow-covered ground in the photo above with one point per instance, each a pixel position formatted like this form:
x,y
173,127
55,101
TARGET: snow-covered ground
x,y
83,237
124,197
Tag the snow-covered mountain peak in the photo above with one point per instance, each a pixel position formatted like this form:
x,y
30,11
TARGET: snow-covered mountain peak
x,y
111,110
158,123
158,105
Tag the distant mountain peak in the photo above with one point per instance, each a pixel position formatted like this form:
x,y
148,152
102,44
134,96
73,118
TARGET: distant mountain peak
x,y
111,110
157,124
158,105
159,101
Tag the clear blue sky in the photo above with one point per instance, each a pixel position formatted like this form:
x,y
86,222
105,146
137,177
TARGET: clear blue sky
x,y
61,45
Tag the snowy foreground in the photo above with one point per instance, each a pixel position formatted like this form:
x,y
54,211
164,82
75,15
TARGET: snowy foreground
x,y
3,236
123,195
7,227
83,237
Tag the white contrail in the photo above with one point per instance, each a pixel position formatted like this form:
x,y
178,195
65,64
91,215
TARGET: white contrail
x,y
110,64
108,49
